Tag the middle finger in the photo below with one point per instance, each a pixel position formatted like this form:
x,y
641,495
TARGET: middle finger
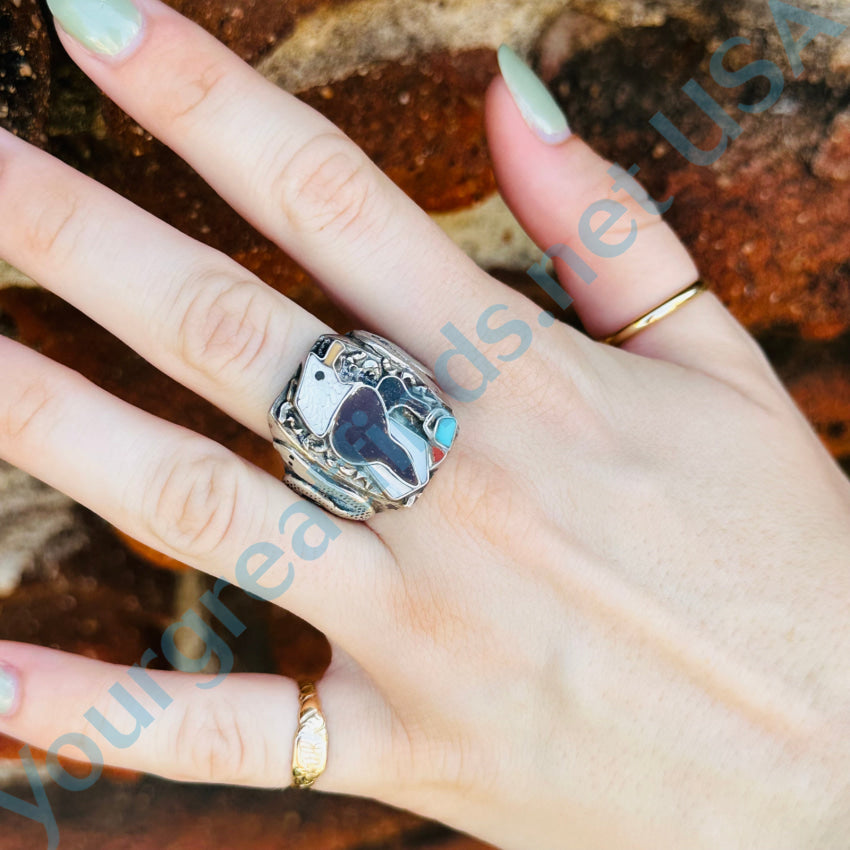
x,y
297,178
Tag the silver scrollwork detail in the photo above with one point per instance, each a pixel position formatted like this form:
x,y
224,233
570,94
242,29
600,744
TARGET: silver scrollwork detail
x,y
361,426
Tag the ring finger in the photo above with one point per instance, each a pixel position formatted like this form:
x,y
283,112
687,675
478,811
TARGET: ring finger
x,y
612,250
188,497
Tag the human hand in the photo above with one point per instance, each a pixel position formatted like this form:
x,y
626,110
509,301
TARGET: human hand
x,y
616,618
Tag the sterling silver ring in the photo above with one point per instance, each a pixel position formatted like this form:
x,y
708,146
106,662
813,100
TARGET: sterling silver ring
x,y
361,426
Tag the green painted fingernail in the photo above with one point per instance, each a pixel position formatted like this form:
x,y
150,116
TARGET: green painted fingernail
x,y
535,101
102,26
9,689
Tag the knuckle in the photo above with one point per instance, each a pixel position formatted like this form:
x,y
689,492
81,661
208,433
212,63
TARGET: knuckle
x,y
224,326
537,391
328,187
421,608
55,228
437,755
482,493
191,503
457,763
549,383
31,414
193,88
481,501
210,743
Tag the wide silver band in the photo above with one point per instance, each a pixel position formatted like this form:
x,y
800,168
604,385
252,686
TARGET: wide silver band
x,y
362,426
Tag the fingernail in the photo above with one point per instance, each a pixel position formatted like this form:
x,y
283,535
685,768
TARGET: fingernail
x,y
10,689
102,26
535,102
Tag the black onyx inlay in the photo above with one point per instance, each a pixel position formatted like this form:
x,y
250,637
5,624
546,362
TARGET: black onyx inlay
x,y
393,391
320,375
361,435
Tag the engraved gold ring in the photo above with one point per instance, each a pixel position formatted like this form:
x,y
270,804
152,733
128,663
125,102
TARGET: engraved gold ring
x,y
310,747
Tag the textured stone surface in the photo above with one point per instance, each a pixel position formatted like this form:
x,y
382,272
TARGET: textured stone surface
x,y
24,74
439,151
818,376
335,43
37,527
772,254
831,160
248,27
156,815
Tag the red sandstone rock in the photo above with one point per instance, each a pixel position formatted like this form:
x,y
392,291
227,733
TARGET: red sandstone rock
x,y
769,235
455,842
825,398
247,27
158,815
422,124
24,70
832,159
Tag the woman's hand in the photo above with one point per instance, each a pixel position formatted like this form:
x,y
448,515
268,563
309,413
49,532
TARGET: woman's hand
x,y
618,617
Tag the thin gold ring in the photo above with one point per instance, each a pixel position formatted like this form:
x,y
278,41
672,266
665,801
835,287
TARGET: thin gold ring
x,y
660,312
310,747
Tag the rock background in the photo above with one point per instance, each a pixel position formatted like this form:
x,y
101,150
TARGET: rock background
x,y
767,224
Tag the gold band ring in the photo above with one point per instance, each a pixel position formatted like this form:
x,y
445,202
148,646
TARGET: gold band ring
x,y
310,748
661,311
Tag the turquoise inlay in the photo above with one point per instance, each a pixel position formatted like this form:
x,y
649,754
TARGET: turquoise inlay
x,y
446,430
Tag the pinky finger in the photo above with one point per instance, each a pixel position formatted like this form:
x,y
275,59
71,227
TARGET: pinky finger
x,y
235,729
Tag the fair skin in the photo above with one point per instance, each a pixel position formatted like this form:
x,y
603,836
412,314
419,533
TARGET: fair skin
x,y
617,618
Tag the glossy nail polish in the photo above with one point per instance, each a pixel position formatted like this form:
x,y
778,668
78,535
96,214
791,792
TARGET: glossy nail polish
x,y
102,26
9,689
539,109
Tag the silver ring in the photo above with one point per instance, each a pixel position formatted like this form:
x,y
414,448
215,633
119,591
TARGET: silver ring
x,y
361,426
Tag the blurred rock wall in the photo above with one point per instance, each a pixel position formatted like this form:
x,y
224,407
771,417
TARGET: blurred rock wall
x,y
767,224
